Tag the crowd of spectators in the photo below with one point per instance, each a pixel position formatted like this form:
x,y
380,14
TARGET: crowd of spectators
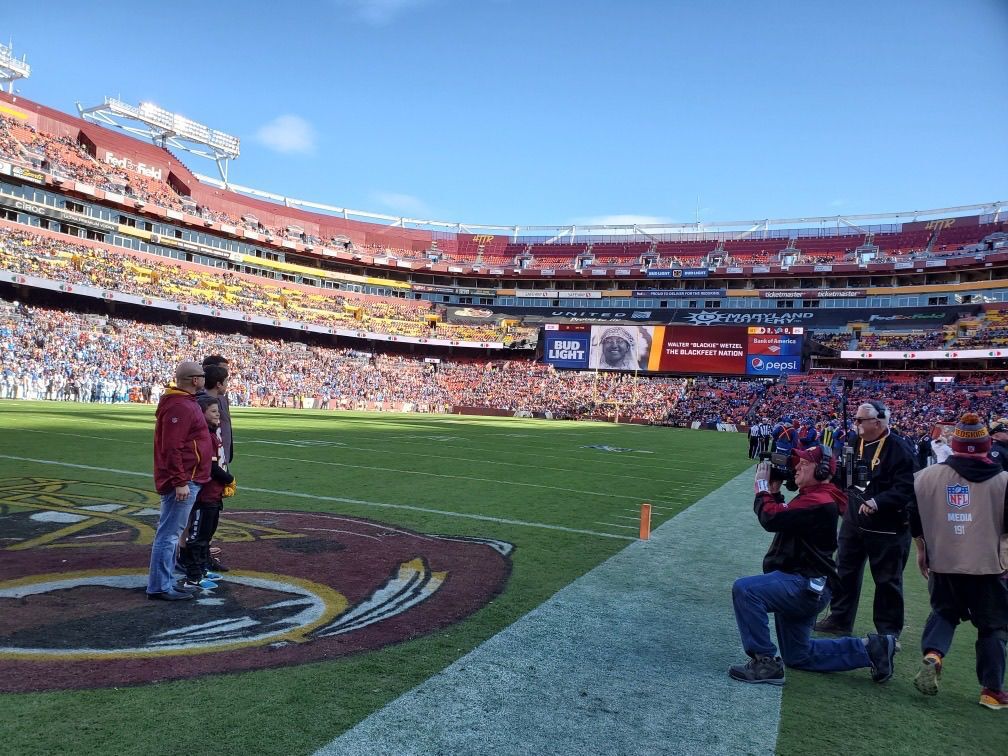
x,y
917,340
838,341
23,251
63,355
72,356
917,403
993,331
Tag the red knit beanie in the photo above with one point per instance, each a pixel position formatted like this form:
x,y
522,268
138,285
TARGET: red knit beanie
x,y
970,436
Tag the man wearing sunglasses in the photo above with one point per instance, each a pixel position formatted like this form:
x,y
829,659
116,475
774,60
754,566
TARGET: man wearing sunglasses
x,y
876,526
183,452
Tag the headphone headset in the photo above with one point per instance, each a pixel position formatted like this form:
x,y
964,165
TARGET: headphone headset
x,y
822,470
880,409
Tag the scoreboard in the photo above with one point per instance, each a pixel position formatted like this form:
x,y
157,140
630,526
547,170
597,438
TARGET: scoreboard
x,y
708,350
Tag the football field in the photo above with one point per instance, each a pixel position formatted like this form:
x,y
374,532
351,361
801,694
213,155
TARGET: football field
x,y
379,561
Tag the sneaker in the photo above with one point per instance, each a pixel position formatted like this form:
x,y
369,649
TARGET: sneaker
x,y
927,678
189,586
194,586
760,669
881,650
994,699
212,576
216,566
832,626
170,596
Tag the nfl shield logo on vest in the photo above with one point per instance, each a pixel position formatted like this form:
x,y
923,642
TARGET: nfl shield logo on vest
x,y
958,496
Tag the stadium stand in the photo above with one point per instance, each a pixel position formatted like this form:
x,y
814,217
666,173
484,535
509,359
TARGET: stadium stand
x,y
47,255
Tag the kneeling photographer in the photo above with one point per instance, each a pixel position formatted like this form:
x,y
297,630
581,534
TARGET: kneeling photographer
x,y
798,570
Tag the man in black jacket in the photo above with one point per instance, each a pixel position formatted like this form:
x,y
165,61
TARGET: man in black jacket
x,y
876,527
794,586
999,449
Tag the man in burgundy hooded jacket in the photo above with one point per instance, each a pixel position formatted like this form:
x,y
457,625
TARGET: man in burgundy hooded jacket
x,y
183,450
795,585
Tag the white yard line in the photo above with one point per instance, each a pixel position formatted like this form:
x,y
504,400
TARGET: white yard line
x,y
400,471
339,499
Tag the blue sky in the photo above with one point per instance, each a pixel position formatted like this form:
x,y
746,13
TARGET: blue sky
x,y
555,112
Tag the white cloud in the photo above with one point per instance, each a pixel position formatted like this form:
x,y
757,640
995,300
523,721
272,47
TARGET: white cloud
x,y
288,134
405,204
381,12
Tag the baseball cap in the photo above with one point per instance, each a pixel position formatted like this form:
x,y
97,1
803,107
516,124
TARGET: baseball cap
x,y
814,454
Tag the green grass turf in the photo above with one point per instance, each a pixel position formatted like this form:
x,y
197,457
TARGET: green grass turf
x,y
533,471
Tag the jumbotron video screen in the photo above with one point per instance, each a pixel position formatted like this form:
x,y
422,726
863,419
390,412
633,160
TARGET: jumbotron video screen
x,y
752,350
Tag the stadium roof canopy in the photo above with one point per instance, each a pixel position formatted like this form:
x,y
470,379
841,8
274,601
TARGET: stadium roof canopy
x,y
701,230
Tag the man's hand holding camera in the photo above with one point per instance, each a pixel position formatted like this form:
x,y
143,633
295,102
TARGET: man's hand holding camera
x,y
763,482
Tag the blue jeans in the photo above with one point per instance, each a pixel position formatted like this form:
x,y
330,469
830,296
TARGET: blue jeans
x,y
174,516
794,607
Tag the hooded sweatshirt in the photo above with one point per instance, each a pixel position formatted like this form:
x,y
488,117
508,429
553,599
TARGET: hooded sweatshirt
x,y
805,529
961,510
183,448
213,491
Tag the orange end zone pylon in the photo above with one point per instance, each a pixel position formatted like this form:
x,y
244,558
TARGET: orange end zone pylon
x,y
645,521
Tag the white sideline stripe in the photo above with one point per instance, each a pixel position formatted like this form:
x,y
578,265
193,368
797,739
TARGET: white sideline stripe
x,y
630,658
360,502
697,474
685,488
616,525
446,475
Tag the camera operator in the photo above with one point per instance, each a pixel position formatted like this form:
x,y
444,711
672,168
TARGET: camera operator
x,y
960,524
798,569
876,527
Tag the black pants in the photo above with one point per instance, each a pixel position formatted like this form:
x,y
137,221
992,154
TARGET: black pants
x,y
753,446
981,599
194,556
886,555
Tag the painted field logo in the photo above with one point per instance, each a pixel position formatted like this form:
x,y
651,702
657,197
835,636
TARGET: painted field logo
x,y
73,571
958,496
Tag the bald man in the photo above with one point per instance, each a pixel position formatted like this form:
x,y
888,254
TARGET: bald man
x,y
183,451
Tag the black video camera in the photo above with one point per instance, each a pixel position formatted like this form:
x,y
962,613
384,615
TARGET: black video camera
x,y
781,468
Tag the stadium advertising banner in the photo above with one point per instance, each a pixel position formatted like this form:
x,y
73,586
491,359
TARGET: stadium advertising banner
x,y
677,273
757,351
568,346
687,349
773,350
677,293
813,293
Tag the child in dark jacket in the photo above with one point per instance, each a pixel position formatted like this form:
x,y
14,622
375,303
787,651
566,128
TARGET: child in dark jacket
x,y
194,556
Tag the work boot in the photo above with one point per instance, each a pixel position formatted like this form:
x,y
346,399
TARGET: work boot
x,y
832,626
759,669
881,650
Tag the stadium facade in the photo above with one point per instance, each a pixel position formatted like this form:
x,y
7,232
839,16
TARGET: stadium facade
x,y
907,271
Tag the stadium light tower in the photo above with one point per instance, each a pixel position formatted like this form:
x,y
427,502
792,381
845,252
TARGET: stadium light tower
x,y
166,129
12,69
